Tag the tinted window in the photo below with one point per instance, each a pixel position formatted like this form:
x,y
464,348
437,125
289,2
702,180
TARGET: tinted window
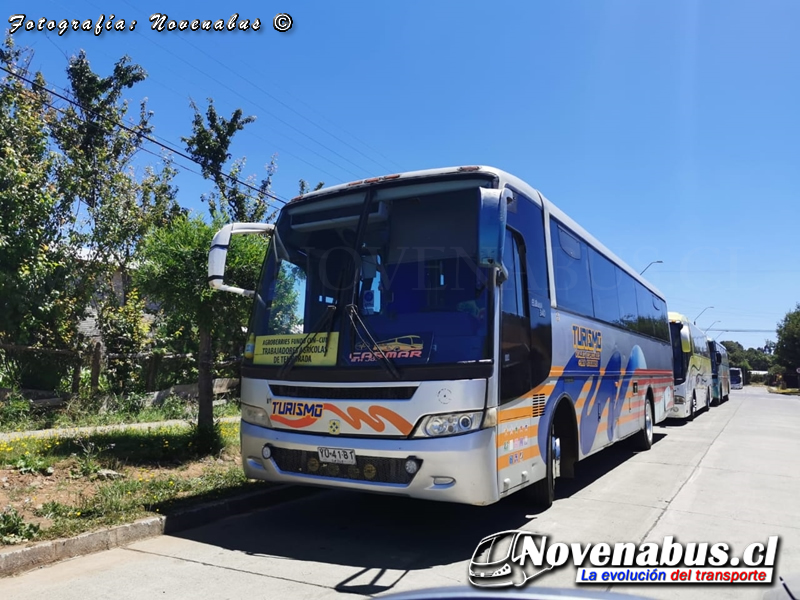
x,y
647,312
662,319
604,288
526,217
571,266
626,292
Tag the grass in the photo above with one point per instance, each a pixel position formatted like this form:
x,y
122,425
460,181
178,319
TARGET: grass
x,y
18,414
58,487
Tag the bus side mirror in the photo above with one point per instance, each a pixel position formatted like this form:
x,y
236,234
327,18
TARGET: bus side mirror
x,y
492,226
219,253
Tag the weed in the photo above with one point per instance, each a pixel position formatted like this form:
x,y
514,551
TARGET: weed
x,y
207,439
88,459
14,529
33,463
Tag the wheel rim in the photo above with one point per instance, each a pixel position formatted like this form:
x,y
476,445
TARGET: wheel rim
x,y
648,422
555,453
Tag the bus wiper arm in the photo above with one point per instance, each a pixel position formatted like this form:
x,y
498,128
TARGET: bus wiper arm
x,y
326,317
352,312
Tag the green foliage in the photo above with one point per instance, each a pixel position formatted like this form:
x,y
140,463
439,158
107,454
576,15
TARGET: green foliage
x,y
752,359
209,145
73,208
14,529
174,272
125,332
33,463
207,439
305,188
787,348
37,274
14,410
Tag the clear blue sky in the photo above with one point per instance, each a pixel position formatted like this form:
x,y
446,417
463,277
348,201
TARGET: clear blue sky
x,y
670,130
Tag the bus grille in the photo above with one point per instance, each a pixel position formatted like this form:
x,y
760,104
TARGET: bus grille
x,y
346,393
384,470
538,403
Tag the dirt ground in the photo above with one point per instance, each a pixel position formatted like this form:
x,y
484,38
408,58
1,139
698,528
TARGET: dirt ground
x,y
28,492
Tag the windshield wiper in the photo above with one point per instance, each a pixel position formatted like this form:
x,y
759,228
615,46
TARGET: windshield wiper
x,y
352,312
327,317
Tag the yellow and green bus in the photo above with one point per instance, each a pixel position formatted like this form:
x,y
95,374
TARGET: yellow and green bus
x,y
692,367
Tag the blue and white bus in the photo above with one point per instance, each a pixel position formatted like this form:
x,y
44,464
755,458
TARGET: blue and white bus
x,y
737,381
720,373
447,334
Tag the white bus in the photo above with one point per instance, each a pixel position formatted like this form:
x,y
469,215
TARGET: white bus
x,y
737,382
461,339
692,367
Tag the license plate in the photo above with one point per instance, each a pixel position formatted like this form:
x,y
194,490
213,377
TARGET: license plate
x,y
338,456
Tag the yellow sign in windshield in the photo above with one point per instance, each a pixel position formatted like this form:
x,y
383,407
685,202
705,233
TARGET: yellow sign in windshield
x,y
276,349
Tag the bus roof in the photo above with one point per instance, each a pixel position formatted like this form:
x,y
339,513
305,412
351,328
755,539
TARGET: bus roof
x,y
678,317
504,178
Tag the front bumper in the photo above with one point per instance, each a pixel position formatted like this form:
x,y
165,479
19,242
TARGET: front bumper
x,y
460,469
681,411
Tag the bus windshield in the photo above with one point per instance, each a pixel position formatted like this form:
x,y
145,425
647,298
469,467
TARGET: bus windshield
x,y
736,376
360,288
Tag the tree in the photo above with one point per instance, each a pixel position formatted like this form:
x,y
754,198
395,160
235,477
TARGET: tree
x,y
174,271
96,171
305,188
787,348
37,277
209,145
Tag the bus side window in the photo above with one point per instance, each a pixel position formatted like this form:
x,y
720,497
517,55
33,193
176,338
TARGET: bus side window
x,y
515,372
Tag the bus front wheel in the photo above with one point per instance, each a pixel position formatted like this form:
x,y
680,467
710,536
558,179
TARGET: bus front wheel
x,y
692,407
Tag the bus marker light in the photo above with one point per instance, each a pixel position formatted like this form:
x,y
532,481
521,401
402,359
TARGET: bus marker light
x,y
370,471
313,465
266,451
412,466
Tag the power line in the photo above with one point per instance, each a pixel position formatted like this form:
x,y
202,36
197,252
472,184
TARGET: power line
x,y
274,116
284,104
744,330
139,134
279,101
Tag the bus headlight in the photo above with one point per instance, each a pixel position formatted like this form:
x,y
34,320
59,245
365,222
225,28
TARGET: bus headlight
x,y
449,424
255,416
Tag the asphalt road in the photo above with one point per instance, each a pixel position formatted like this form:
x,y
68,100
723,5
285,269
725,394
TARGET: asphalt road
x,y
732,475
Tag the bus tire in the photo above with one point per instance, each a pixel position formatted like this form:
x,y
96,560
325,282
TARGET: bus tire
x,y
692,407
708,401
542,493
644,439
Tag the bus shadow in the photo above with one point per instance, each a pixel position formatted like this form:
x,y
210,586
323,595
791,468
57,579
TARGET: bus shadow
x,y
598,465
383,537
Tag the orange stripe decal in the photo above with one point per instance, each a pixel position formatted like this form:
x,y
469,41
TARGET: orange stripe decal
x,y
355,417
512,458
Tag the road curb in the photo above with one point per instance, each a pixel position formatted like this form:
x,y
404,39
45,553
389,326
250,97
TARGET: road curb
x,y
19,560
